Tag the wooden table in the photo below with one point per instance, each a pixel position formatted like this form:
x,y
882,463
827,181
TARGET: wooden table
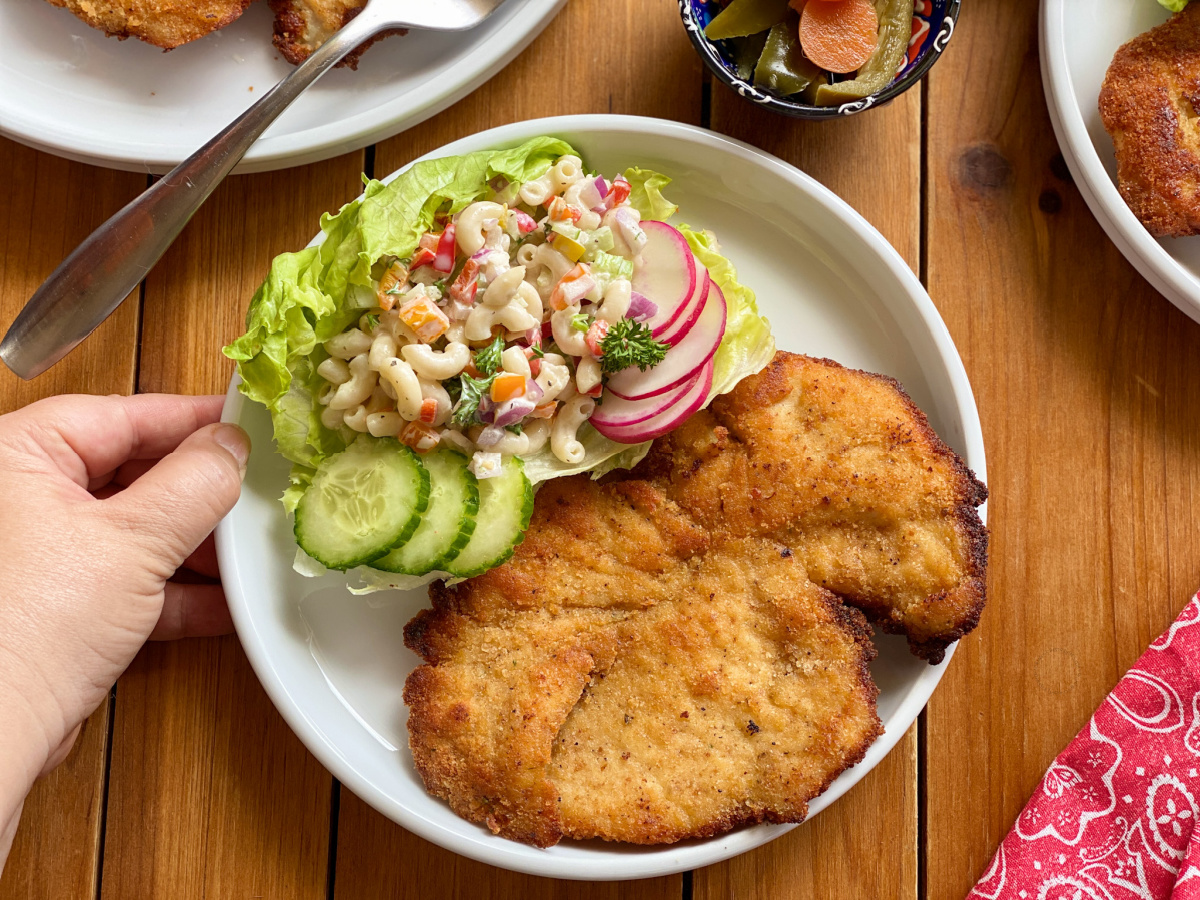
x,y
188,784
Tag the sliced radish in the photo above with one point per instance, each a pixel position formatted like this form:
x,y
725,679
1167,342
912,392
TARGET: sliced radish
x,y
617,412
666,419
682,361
674,331
665,272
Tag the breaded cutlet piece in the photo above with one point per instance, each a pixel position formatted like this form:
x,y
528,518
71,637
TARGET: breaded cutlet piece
x,y
842,467
715,686
163,23
1149,107
301,26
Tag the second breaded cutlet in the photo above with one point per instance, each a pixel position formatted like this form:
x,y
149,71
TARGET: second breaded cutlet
x,y
1149,106
163,23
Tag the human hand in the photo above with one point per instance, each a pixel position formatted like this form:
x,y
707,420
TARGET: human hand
x,y
104,499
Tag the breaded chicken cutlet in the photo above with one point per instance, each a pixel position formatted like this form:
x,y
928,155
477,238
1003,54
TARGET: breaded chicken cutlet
x,y
1148,104
650,667
301,26
163,23
842,467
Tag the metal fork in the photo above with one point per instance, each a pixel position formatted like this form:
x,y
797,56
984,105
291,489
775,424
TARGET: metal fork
x,y
90,283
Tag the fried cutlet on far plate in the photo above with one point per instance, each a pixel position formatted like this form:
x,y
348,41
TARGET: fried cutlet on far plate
x,y
164,23
626,677
842,467
1148,104
301,26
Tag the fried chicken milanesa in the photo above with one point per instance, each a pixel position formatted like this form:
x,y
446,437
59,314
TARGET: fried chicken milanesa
x,y
650,667
164,23
301,26
1148,105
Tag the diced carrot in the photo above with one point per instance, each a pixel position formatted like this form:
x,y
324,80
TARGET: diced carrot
x,y
545,411
419,436
572,286
561,211
393,278
506,386
423,316
429,408
839,35
429,240
472,371
595,334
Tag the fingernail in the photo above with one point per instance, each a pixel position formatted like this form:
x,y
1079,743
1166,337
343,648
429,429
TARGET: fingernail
x,y
236,441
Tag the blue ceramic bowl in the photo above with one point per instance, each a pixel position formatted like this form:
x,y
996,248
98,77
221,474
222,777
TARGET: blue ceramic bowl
x,y
933,25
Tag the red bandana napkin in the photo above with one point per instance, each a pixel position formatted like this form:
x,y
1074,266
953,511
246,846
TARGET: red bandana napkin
x,y
1115,816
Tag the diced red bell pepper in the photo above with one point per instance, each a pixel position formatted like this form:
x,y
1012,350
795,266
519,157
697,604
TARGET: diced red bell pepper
x,y
594,391
445,251
525,222
466,284
595,334
423,257
618,193
535,361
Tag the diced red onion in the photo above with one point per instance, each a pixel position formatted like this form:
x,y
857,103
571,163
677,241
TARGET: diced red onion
x,y
547,332
641,307
510,412
601,186
490,436
533,390
533,337
487,409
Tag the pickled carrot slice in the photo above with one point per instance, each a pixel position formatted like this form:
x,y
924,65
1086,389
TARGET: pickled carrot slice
x,y
839,35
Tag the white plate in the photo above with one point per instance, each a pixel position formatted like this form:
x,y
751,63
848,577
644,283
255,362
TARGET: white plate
x,y
72,91
1078,40
832,286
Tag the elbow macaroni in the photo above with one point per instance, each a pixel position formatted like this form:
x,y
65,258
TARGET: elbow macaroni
x,y
564,441
469,225
437,365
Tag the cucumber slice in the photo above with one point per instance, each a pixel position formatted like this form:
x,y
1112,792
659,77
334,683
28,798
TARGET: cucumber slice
x,y
362,502
505,505
447,524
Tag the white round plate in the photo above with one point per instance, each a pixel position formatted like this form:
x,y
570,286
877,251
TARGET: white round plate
x,y
1078,40
335,664
72,91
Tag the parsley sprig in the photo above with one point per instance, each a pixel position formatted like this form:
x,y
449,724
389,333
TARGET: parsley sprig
x,y
471,392
487,360
629,343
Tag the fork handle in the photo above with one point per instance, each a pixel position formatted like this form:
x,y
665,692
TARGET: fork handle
x,y
102,271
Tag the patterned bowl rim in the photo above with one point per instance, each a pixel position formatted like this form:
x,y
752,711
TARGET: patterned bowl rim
x,y
744,89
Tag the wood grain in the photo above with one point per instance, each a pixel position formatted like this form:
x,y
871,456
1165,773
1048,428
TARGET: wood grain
x,y
644,66
1085,381
873,162
210,794
49,206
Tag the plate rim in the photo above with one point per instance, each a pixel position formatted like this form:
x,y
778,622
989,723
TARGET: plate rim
x,y
670,859
333,138
1165,274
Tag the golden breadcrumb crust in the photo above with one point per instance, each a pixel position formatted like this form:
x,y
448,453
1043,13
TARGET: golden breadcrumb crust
x,y
163,23
659,659
1148,104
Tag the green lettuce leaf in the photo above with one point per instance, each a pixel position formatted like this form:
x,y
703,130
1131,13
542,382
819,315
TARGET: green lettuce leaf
x,y
748,344
1174,5
646,194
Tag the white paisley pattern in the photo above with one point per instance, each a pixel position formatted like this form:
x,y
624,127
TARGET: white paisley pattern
x,y
1114,818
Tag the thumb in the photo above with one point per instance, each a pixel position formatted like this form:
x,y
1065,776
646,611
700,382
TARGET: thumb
x,y
177,503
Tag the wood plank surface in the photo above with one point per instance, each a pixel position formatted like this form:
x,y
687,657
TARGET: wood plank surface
x,y
874,163
49,206
1086,384
644,46
210,793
